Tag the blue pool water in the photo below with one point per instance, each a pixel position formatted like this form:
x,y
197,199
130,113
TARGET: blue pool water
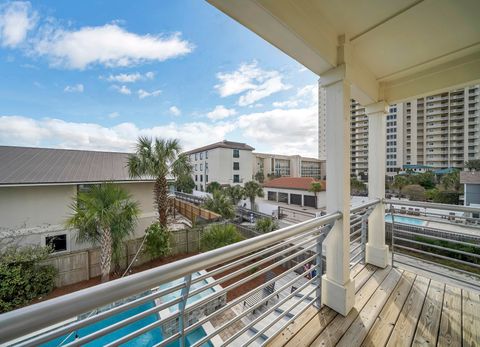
x,y
150,338
405,220
176,294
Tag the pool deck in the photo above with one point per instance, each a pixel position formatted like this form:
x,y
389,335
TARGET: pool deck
x,y
393,307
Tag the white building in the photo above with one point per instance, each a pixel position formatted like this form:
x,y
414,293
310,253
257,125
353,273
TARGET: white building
x,y
288,165
225,162
38,186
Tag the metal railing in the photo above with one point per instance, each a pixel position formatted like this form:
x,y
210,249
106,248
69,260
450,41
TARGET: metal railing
x,y
198,200
452,251
271,279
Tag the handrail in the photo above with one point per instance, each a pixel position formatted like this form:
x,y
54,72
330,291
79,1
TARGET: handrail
x,y
26,320
433,205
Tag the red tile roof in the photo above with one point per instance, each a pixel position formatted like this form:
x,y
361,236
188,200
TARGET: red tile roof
x,y
302,183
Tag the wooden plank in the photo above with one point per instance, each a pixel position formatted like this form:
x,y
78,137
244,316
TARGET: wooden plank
x,y
362,324
427,328
383,326
450,333
402,334
359,272
340,324
471,318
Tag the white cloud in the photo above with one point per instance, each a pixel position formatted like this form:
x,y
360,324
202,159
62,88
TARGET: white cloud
x,y
221,112
16,20
142,94
251,80
77,88
23,131
129,77
122,89
292,131
305,96
175,111
113,115
109,45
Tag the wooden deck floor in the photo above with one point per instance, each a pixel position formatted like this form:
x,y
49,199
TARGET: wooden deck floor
x,y
393,307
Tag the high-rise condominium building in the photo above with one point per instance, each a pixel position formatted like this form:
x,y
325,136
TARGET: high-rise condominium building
x,y
288,165
439,131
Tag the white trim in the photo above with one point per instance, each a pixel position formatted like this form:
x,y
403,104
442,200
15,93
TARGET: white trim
x,y
75,183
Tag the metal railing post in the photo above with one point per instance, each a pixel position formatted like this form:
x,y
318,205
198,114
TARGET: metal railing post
x,y
392,212
181,319
363,234
319,263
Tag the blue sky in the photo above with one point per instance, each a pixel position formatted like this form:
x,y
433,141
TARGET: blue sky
x,y
97,74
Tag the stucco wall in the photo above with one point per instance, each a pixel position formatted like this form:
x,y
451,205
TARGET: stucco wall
x,y
472,194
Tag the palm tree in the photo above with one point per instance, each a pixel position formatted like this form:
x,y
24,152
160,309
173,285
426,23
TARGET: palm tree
x,y
236,193
399,182
451,180
221,204
218,235
316,187
159,158
104,215
213,186
252,190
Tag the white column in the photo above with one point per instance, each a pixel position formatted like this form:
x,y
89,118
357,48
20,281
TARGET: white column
x,y
337,287
376,250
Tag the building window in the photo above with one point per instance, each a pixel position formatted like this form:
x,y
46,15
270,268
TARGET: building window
x,y
201,167
236,166
201,155
58,243
201,178
206,178
196,167
206,154
206,166
236,153
236,178
196,156
196,178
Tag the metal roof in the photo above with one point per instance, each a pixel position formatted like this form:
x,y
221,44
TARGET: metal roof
x,y
222,144
38,166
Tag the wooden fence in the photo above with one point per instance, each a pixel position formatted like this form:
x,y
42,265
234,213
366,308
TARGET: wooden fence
x,y
193,212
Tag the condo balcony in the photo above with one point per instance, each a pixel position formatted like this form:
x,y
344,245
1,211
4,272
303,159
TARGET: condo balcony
x,y
375,273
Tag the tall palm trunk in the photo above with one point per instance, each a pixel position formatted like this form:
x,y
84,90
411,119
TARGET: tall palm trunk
x,y
161,199
106,253
252,203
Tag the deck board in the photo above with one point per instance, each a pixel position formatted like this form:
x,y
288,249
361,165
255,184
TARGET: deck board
x,y
450,333
427,329
393,307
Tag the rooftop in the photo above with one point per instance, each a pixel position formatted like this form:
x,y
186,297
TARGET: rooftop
x,y
470,177
301,183
38,166
223,144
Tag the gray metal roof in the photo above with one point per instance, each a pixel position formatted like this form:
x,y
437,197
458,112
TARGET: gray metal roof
x,y
222,144
26,165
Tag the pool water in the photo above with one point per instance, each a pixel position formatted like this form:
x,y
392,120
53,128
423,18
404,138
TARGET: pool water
x,y
405,220
176,294
150,338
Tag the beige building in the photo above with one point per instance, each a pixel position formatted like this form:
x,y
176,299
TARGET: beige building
x,y
38,185
439,130
225,162
288,165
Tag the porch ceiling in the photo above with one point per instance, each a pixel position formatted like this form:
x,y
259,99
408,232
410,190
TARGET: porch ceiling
x,y
394,50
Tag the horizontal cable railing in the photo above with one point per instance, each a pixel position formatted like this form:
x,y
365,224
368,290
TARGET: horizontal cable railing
x,y
243,293
358,231
451,251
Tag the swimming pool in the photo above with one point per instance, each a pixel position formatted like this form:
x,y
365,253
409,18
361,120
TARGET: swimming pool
x,y
150,338
405,220
177,293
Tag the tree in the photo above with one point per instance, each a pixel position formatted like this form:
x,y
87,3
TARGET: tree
x,y
213,186
158,241
357,186
399,182
451,181
266,225
473,164
235,193
260,177
315,188
252,190
219,235
414,192
104,215
185,184
426,180
221,204
159,158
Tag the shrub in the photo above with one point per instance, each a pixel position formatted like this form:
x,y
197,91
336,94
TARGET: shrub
x,y
23,277
414,192
158,242
219,235
266,225
221,204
